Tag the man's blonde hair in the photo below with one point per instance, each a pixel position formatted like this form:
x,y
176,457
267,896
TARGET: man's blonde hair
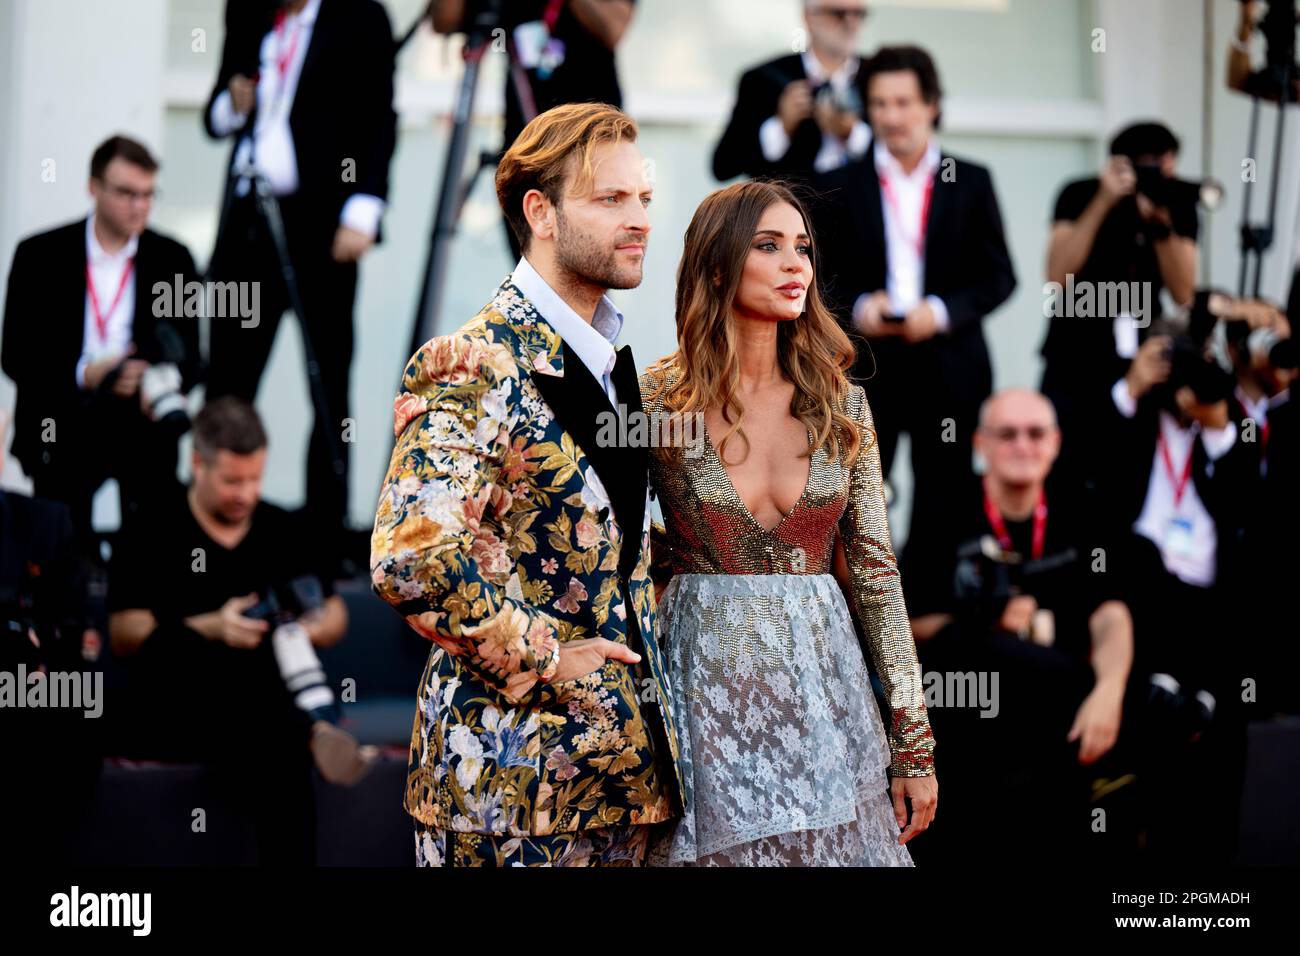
x,y
539,158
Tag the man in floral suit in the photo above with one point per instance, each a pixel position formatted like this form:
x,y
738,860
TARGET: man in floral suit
x,y
518,542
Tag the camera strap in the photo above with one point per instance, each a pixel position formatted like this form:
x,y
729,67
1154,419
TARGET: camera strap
x,y
999,525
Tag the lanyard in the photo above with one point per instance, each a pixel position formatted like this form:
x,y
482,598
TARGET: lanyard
x,y
1000,526
888,191
283,57
101,318
1179,484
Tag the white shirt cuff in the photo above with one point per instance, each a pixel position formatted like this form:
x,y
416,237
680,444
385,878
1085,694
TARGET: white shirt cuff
x,y
773,139
859,140
1124,401
362,213
1217,441
223,117
941,320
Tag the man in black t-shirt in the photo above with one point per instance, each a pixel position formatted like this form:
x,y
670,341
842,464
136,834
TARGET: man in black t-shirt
x,y
562,52
211,599
1117,241
1018,586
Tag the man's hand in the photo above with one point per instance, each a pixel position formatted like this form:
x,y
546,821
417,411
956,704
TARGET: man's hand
x,y
1096,725
833,120
95,372
1018,615
350,245
920,322
230,626
128,380
1213,415
869,316
1148,211
923,793
580,658
795,105
1118,179
1150,367
243,93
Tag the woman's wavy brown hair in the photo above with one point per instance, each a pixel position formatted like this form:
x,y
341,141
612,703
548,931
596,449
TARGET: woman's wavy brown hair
x,y
813,351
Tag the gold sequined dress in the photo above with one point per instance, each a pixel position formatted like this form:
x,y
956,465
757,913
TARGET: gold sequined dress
x,y
782,744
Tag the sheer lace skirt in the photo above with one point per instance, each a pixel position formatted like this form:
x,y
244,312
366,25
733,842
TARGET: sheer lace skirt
x,y
782,745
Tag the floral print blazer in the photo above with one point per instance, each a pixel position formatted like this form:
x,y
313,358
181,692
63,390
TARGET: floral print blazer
x,y
495,539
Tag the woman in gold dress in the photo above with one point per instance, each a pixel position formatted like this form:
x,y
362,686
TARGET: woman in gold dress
x,y
776,540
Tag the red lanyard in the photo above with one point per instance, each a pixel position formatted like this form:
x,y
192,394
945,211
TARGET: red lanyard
x,y
1179,484
888,192
552,14
284,57
1000,527
101,318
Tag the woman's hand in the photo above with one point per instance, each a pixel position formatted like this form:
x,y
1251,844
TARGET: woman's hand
x,y
923,794
582,657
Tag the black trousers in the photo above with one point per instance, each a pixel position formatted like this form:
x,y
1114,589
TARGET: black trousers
x,y
114,440
1007,769
240,347
909,392
1192,790
188,699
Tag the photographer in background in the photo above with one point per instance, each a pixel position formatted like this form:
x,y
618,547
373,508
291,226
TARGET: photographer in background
x,y
1278,27
206,602
801,113
1179,476
98,370
1255,338
562,52
49,754
1135,223
1010,587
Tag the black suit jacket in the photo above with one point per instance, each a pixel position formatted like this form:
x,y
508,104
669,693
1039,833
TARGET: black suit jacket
x,y
44,329
342,111
967,263
40,569
739,152
1227,487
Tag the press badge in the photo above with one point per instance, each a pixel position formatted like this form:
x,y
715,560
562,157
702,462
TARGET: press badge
x,y
530,40
1178,537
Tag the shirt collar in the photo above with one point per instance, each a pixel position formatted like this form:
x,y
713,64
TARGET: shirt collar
x,y
817,73
594,341
96,254
885,161
307,15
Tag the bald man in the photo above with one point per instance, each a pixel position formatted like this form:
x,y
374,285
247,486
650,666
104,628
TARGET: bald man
x,y
1040,609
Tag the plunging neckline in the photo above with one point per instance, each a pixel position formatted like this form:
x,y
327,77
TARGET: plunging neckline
x,y
717,457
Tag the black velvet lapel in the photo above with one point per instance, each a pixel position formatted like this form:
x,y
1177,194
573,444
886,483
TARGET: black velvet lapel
x,y
577,398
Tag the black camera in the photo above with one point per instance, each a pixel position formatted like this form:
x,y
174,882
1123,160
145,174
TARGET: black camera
x,y
987,576
1209,382
286,601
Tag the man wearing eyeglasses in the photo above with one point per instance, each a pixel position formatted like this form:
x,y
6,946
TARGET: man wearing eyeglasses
x,y
100,362
1010,589
801,113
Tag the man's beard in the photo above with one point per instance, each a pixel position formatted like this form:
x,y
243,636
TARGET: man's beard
x,y
590,262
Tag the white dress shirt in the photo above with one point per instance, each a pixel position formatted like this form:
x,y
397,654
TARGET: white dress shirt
x,y
902,207
107,271
1183,531
275,157
592,342
834,152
